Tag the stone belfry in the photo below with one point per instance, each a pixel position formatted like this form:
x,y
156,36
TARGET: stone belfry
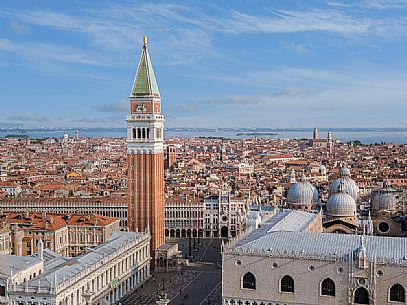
x,y
145,156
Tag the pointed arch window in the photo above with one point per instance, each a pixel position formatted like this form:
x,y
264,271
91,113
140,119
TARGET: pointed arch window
x,y
361,296
287,284
249,281
397,293
328,287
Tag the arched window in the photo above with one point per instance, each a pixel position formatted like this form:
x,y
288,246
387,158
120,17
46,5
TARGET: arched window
x,y
361,296
328,287
144,133
397,293
148,133
138,133
249,281
287,284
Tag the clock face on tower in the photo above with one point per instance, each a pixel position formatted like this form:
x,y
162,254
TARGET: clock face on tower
x,y
141,108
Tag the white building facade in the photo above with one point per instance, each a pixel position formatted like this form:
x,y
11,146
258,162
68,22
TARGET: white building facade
x,y
289,264
102,276
215,216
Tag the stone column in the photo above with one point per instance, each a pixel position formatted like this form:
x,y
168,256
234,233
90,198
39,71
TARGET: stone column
x,y
116,293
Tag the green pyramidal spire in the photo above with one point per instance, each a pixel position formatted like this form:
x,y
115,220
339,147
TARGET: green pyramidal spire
x,y
145,83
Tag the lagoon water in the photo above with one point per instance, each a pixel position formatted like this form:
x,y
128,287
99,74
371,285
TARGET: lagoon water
x,y
366,136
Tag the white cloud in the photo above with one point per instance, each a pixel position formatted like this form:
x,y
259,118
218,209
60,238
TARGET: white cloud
x,y
122,107
19,28
30,117
296,93
387,4
116,30
186,34
52,52
240,100
298,48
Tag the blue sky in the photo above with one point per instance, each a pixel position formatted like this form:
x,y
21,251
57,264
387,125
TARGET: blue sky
x,y
218,64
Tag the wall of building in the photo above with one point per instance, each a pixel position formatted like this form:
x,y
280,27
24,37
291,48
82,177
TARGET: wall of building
x,y
106,280
308,275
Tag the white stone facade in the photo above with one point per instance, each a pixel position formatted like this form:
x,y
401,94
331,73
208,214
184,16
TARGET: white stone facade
x,y
219,216
145,133
12,190
314,268
5,240
102,276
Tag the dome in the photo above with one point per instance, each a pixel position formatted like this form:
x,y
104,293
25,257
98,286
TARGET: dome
x,y
302,193
341,204
384,201
344,172
386,198
348,184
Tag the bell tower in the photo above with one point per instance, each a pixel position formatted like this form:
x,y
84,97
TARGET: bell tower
x,y
145,125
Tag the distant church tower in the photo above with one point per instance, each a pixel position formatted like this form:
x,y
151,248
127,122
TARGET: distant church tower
x,y
315,134
145,156
171,156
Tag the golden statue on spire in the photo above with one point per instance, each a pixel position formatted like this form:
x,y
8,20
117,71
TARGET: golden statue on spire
x,y
145,40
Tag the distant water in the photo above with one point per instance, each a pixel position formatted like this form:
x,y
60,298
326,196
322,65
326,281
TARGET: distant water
x,y
366,136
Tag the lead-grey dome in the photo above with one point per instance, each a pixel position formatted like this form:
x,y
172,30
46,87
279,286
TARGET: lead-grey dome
x,y
386,198
349,186
341,204
302,193
344,171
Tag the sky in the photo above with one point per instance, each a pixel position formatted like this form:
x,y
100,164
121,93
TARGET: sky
x,y
236,63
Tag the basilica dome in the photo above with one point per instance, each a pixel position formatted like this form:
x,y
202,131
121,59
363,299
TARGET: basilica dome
x,y
348,184
386,198
302,193
341,204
